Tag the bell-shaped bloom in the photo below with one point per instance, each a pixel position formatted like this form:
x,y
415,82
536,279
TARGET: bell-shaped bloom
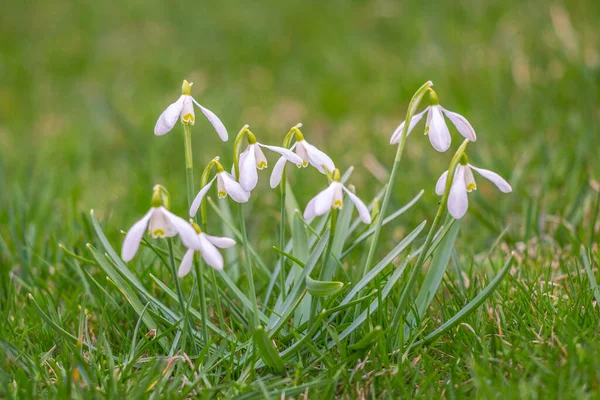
x,y
464,182
309,154
183,109
333,197
208,249
252,159
160,223
226,185
436,127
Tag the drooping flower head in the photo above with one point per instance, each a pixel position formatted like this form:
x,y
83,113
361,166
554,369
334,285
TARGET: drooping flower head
x,y
160,223
308,153
435,126
464,182
226,186
333,198
208,250
252,159
183,109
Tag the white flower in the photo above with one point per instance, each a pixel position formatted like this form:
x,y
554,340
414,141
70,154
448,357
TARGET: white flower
x,y
183,109
208,251
436,128
252,159
226,185
309,155
332,197
464,182
161,223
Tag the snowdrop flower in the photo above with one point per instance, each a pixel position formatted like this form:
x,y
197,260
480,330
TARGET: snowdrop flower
x,y
208,250
464,182
183,109
309,155
252,159
226,185
436,127
160,223
332,197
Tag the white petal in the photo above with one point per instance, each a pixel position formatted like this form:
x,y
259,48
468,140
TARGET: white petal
x,y
277,172
395,139
317,158
462,125
186,232
319,204
198,199
159,226
134,237
210,254
261,160
214,120
233,188
469,179
187,111
220,241
439,135
363,211
288,154
495,178
186,263
248,172
301,151
169,117
440,186
457,200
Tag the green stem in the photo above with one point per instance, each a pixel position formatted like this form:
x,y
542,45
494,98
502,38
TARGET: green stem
x,y
434,227
189,174
174,275
283,188
412,107
189,164
248,264
202,292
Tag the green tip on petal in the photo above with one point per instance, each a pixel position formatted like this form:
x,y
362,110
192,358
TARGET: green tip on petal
x,y
433,98
186,88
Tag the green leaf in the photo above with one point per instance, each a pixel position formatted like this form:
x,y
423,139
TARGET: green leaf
x,y
369,339
435,273
322,288
472,306
590,274
300,250
268,352
128,292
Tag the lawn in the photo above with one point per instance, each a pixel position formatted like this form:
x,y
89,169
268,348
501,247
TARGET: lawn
x,y
82,86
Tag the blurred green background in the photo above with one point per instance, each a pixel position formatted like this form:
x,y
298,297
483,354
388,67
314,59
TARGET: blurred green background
x,y
82,84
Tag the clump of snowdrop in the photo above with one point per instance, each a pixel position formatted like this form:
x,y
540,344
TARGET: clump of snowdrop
x,y
183,109
435,126
464,182
308,153
253,159
333,198
226,186
160,223
207,247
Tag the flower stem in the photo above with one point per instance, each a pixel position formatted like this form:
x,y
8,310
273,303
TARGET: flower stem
x,y
189,174
412,107
283,188
174,276
249,273
203,308
189,164
434,227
